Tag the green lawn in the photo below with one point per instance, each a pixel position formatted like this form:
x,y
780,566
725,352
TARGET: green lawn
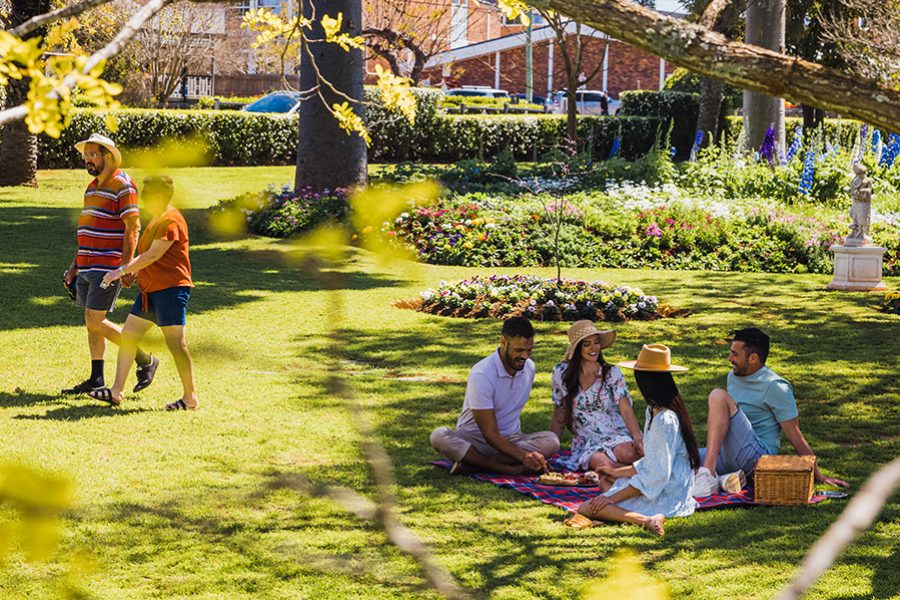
x,y
187,504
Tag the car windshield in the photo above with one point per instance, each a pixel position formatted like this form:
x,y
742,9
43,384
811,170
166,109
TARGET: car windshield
x,y
589,96
277,103
468,93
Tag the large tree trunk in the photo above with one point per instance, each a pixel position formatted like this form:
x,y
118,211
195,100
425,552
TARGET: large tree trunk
x,y
326,156
711,91
765,28
712,54
18,148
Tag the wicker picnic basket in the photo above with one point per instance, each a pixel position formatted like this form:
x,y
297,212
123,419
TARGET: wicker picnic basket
x,y
784,479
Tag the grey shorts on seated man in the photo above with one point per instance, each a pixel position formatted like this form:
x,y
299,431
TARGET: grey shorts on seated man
x,y
454,443
740,449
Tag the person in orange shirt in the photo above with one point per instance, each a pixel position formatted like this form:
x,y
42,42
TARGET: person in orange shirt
x,y
163,269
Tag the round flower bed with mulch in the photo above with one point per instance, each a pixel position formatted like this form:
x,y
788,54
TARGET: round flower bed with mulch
x,y
540,298
891,303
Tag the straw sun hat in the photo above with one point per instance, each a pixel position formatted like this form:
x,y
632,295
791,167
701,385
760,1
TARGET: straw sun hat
x,y
583,329
653,357
101,140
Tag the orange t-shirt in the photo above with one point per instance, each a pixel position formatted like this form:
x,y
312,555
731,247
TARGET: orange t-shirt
x,y
173,269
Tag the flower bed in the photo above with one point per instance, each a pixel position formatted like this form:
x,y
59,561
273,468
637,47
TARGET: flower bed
x,y
540,298
283,213
891,303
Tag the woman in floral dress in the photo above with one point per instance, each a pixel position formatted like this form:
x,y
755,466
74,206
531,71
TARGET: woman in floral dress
x,y
591,401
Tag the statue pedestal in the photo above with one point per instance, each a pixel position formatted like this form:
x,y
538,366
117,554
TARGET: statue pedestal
x,y
857,268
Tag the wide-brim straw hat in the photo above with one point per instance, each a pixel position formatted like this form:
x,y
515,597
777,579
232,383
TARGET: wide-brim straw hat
x,y
101,140
653,357
583,329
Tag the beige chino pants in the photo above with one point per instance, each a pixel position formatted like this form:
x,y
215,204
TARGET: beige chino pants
x,y
453,443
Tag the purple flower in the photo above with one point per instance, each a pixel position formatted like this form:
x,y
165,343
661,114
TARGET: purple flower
x,y
653,231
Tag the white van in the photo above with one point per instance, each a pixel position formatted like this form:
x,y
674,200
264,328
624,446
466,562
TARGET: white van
x,y
588,102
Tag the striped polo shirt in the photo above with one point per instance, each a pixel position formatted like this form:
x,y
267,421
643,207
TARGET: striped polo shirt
x,y
100,226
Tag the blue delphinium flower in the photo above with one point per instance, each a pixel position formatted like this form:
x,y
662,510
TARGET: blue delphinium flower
x,y
809,169
767,150
795,145
617,143
890,151
695,149
864,130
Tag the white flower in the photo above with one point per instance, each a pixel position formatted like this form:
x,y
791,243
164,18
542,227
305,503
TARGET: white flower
x,y
427,294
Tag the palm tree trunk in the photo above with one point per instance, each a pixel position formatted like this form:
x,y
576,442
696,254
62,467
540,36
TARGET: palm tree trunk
x,y
18,148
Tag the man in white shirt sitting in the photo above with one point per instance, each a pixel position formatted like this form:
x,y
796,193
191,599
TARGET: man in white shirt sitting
x,y
488,435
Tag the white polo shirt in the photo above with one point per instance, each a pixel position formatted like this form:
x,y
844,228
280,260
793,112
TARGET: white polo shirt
x,y
490,387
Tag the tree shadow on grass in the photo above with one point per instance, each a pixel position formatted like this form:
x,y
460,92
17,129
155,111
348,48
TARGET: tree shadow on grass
x,y
39,243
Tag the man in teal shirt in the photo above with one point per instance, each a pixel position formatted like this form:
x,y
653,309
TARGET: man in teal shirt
x,y
746,420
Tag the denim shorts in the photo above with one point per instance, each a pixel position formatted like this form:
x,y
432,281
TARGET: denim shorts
x,y
89,294
740,449
165,307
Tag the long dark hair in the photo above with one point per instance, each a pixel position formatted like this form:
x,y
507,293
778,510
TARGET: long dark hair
x,y
659,390
571,380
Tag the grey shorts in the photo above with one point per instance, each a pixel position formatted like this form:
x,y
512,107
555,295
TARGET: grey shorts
x,y
740,449
89,294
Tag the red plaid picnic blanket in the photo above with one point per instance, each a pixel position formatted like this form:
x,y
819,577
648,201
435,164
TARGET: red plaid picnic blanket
x,y
568,498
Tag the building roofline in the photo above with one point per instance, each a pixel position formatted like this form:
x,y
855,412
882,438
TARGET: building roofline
x,y
514,40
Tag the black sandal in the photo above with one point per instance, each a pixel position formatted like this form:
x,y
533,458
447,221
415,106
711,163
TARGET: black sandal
x,y
104,394
179,404
85,387
146,374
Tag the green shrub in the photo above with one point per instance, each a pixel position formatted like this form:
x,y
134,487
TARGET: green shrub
x,y
681,108
229,137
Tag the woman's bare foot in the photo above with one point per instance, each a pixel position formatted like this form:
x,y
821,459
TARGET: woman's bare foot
x,y
655,524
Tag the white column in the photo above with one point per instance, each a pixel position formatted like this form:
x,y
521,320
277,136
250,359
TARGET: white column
x,y
605,66
550,69
497,70
662,73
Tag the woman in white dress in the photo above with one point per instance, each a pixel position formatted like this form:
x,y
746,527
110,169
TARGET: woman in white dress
x,y
591,400
659,485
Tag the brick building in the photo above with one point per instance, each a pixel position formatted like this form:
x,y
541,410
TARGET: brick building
x,y
500,63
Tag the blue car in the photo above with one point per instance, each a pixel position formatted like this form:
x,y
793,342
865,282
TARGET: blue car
x,y
276,102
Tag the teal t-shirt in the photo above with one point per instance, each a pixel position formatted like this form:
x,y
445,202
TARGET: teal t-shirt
x,y
767,400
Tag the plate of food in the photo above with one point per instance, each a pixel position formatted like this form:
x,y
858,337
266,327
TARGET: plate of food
x,y
587,479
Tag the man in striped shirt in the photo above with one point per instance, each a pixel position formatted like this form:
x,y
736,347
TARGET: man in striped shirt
x,y
108,231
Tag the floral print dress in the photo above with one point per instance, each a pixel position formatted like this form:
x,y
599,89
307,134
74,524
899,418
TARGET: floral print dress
x,y
596,421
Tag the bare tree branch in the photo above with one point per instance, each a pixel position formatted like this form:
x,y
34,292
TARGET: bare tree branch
x,y
712,12
130,29
857,517
749,67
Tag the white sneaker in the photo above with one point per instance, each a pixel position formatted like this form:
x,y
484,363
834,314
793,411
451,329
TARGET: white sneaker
x,y
733,482
705,483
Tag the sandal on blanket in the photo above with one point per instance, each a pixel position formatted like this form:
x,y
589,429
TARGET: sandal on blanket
x,y
179,404
146,374
578,521
104,394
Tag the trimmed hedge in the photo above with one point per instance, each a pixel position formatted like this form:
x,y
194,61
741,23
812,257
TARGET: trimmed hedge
x,y
239,138
681,108
230,137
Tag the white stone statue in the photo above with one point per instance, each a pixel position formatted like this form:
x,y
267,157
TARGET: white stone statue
x,y
861,210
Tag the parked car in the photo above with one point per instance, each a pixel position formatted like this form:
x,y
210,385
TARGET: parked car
x,y
588,102
276,102
478,91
